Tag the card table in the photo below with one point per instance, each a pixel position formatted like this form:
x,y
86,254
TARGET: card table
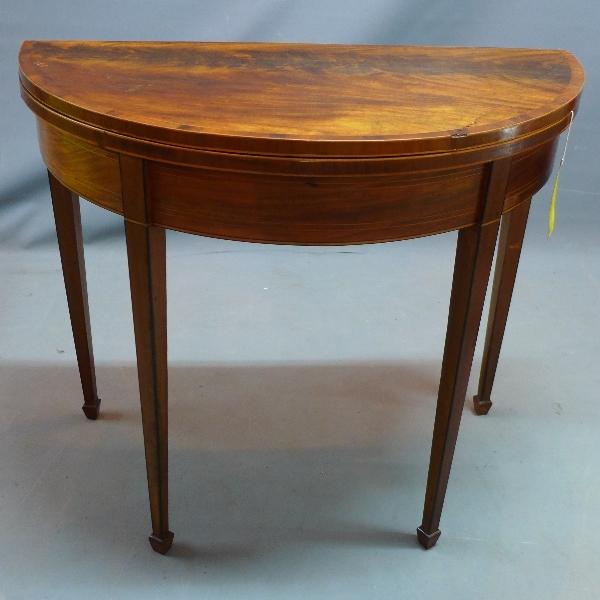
x,y
298,144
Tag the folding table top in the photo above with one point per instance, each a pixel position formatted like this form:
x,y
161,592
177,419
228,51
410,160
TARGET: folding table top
x,y
306,99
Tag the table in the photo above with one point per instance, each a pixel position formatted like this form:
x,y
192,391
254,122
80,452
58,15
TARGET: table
x,y
298,144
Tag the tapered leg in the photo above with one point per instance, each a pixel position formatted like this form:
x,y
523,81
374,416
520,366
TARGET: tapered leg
x,y
512,232
147,274
474,254
68,230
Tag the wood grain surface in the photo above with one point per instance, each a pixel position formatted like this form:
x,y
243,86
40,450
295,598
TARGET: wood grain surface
x,y
302,144
398,138
303,98
82,167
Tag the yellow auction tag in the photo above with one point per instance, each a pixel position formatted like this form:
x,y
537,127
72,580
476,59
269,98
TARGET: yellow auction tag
x,y
553,199
552,209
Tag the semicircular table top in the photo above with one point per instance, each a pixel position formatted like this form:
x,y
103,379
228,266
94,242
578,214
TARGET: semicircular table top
x,y
298,144
306,99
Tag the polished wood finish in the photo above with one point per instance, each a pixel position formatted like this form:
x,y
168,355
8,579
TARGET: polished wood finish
x,y
70,244
304,144
297,165
304,98
317,210
512,232
338,207
474,255
146,253
84,168
380,207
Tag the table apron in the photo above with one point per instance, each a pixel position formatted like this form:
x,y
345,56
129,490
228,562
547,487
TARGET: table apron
x,y
294,209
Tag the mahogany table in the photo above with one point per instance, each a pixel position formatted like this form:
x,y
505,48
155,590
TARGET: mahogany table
x,y
298,144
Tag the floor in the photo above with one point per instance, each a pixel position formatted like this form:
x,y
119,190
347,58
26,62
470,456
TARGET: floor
x,y
303,385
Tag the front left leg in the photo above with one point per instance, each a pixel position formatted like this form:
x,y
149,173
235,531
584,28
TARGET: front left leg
x,y
67,218
147,275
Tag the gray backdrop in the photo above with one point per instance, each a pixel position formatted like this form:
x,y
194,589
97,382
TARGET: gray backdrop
x,y
302,380
24,213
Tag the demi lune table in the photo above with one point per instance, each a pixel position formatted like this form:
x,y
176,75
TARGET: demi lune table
x,y
298,144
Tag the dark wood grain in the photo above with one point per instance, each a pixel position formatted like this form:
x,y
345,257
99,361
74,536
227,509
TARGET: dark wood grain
x,y
84,168
512,232
70,243
474,255
313,210
295,164
322,208
529,171
304,98
147,276
303,144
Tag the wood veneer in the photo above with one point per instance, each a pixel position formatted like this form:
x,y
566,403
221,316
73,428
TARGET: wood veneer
x,y
301,144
